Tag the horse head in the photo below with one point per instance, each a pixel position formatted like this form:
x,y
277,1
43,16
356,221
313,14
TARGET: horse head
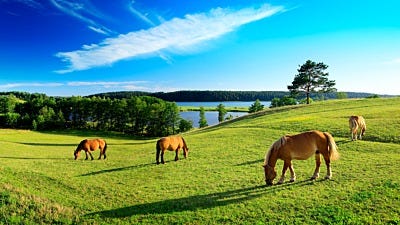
x,y
78,150
185,151
76,153
185,148
270,174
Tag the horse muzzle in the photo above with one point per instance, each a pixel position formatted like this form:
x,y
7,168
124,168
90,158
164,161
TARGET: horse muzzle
x,y
269,182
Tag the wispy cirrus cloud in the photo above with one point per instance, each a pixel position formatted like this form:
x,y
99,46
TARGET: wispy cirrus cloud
x,y
176,34
140,15
33,84
31,3
90,85
83,11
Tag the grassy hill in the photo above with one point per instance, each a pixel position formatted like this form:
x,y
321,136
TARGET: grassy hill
x,y
222,181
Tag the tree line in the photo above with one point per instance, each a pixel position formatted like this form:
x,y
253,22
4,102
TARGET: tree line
x,y
221,96
137,115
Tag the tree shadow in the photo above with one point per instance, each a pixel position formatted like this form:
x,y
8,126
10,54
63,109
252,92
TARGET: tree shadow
x,y
116,169
45,144
30,158
197,202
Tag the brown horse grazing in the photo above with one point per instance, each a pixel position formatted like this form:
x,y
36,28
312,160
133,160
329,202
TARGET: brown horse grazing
x,y
91,145
301,146
356,124
172,143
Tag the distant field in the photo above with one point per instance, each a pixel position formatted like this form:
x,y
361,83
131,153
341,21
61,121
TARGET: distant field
x,y
222,181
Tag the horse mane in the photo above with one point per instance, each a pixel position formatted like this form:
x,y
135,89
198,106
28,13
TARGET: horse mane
x,y
81,144
276,145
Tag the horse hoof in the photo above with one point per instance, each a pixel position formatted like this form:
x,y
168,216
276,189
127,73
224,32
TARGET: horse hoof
x,y
328,177
291,181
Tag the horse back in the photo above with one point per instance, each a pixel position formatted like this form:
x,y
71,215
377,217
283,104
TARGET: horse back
x,y
171,143
304,145
357,121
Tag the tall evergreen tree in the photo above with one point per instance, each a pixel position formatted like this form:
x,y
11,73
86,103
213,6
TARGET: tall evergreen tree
x,y
311,78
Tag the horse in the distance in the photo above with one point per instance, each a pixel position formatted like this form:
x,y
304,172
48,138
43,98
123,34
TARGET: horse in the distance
x,y
301,146
357,125
172,143
91,145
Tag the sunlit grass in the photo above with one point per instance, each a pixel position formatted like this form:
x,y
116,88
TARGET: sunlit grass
x,y
221,182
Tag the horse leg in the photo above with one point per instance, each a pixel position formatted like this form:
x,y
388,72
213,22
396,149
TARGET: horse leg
x,y
292,173
158,156
317,165
162,157
176,155
286,165
91,156
86,153
101,153
328,166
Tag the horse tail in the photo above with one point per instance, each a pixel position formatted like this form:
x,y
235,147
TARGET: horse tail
x,y
333,152
105,147
353,123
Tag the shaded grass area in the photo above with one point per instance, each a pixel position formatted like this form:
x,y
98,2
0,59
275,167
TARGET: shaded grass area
x,y
221,182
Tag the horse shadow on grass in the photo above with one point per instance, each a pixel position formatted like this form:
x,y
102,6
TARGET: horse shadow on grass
x,y
197,202
116,169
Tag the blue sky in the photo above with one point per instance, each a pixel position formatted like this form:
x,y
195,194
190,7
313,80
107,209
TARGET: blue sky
x,y
82,47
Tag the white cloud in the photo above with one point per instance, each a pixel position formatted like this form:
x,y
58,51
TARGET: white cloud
x,y
104,83
15,85
140,15
83,11
176,34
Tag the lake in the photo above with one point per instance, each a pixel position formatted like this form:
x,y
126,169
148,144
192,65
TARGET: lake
x,y
226,104
212,116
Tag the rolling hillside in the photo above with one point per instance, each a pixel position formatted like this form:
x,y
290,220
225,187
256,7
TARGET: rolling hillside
x,y
222,181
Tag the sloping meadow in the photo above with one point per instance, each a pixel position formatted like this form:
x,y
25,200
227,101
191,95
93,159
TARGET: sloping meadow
x,y
222,180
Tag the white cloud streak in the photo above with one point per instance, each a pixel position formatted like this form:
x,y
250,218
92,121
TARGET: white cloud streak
x,y
176,34
140,15
92,85
83,12
16,85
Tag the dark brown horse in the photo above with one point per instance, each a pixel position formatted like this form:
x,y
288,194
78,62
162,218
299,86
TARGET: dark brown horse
x,y
301,146
91,145
173,143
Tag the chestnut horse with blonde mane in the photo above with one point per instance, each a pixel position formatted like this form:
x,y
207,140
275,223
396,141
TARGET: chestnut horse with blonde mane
x,y
172,143
91,145
357,124
301,146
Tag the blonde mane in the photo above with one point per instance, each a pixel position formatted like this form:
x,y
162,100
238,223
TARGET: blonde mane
x,y
276,145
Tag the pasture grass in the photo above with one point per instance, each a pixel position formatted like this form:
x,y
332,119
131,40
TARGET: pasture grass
x,y
221,182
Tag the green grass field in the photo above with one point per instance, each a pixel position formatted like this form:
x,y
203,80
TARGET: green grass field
x,y
222,181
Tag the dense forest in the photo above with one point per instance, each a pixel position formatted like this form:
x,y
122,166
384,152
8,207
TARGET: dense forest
x,y
218,96
137,115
